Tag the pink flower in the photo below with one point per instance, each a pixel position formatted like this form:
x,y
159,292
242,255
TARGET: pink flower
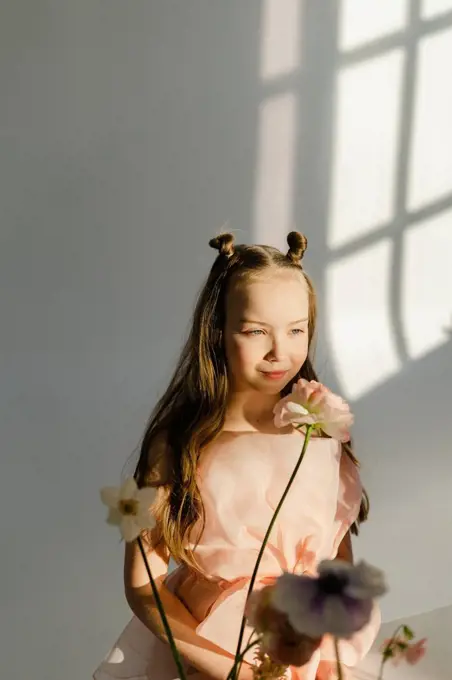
x,y
399,649
416,651
311,403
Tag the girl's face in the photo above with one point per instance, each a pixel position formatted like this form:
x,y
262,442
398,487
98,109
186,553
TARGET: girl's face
x,y
266,331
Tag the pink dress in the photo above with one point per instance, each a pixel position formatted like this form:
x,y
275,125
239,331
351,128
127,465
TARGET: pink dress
x,y
242,476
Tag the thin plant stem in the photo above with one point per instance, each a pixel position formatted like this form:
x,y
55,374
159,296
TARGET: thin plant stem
x,y
340,675
384,658
269,530
239,660
165,623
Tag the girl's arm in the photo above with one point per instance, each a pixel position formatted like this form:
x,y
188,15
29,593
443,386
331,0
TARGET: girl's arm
x,y
210,660
345,550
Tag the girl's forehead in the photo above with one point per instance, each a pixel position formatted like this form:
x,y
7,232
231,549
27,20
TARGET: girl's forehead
x,y
277,294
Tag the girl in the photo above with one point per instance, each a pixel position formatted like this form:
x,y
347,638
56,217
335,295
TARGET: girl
x,y
221,466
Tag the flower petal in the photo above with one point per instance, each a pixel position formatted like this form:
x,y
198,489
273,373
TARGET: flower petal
x,y
341,620
336,431
129,528
335,567
128,489
145,519
313,611
336,618
114,517
297,409
311,403
109,495
146,496
311,419
253,604
416,651
345,616
310,622
294,414
293,595
317,398
366,581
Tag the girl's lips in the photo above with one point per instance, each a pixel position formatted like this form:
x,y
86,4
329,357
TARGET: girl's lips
x,y
274,375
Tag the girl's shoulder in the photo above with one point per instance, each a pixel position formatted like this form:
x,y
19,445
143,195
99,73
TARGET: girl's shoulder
x,y
160,461
350,474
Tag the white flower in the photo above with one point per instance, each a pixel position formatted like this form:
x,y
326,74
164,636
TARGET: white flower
x,y
129,508
339,601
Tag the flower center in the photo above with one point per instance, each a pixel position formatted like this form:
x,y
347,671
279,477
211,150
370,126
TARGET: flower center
x,y
128,506
332,584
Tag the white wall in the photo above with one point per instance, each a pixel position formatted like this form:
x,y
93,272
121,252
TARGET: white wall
x,y
435,627
130,132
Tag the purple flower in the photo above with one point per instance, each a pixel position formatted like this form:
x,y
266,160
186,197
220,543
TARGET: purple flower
x,y
339,601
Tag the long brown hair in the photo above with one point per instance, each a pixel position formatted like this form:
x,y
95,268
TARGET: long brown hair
x,y
191,413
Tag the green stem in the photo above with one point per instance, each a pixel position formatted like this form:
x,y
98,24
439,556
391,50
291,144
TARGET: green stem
x,y
166,625
249,645
340,675
384,658
269,530
238,661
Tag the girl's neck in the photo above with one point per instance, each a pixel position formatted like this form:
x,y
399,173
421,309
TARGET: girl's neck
x,y
247,411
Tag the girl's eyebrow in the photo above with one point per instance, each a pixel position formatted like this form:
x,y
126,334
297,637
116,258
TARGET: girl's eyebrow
x,y
262,323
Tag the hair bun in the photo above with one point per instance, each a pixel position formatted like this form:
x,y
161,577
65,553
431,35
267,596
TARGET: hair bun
x,y
297,246
224,243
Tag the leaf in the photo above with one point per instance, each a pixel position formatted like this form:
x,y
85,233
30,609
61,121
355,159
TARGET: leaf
x,y
408,632
402,645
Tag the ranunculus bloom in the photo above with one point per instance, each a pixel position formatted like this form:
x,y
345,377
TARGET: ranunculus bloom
x,y
129,508
311,403
280,641
400,649
416,651
339,601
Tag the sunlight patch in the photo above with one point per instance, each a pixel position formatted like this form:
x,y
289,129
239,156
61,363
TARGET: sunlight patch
x,y
281,37
434,8
358,320
430,175
427,285
366,134
362,21
275,170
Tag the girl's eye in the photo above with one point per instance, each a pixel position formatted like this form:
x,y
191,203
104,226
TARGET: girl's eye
x,y
255,331
297,331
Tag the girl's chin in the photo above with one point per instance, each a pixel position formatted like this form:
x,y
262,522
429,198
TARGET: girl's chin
x,y
274,387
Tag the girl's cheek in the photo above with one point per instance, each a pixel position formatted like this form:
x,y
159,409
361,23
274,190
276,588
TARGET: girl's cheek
x,y
301,356
239,353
